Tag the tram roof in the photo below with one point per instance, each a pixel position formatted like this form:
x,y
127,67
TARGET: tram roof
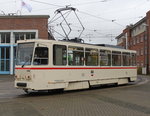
x,y
103,46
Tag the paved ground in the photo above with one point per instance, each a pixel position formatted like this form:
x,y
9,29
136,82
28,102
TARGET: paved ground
x,y
129,100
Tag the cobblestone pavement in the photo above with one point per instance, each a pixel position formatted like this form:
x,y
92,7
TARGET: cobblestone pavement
x,y
128,100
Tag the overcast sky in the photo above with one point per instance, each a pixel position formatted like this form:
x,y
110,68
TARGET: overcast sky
x,y
102,19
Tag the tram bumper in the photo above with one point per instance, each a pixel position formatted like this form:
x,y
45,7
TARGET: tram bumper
x,y
21,84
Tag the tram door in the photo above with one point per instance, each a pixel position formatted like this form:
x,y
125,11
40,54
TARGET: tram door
x,y
4,60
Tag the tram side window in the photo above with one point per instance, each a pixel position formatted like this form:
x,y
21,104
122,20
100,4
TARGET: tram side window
x,y
91,57
126,59
41,56
59,55
116,58
75,56
105,58
133,59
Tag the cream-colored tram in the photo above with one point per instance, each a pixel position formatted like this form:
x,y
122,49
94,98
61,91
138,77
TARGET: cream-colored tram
x,y
49,65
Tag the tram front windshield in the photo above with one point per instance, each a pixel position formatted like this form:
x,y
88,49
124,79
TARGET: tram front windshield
x,y
24,53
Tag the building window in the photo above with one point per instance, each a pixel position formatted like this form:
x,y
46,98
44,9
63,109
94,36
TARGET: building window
x,y
145,38
24,36
142,64
134,41
142,37
5,37
131,43
5,58
141,51
138,40
137,52
145,49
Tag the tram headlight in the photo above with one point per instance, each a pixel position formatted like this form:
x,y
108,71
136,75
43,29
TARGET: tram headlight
x,y
16,77
28,77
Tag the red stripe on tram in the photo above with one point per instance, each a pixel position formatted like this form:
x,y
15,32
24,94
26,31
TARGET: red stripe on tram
x,y
73,68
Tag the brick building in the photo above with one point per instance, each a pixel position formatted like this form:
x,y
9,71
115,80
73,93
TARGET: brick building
x,y
137,37
13,28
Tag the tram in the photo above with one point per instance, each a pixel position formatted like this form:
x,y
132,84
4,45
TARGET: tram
x,y
51,65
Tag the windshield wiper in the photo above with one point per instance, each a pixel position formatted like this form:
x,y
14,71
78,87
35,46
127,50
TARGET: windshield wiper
x,y
24,64
26,60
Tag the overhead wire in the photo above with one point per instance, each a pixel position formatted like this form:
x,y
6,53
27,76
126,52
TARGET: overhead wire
x,y
86,3
81,11
95,31
37,1
113,21
94,16
98,33
101,18
46,3
77,28
44,9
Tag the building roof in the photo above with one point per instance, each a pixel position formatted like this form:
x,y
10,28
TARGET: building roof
x,y
139,22
119,36
24,16
108,45
132,27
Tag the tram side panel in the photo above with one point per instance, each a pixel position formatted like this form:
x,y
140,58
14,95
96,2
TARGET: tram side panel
x,y
64,78
118,76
